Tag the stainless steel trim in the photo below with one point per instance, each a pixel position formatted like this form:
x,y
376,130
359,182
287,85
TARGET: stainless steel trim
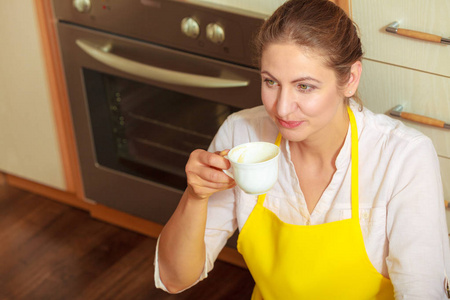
x,y
396,111
392,28
445,41
102,54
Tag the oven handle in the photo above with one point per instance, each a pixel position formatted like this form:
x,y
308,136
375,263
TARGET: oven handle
x,y
155,73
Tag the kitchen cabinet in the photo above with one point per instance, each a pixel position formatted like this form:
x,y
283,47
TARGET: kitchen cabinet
x,y
28,137
37,147
404,71
384,86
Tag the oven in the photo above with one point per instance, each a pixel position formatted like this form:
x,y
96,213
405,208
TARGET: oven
x,y
148,82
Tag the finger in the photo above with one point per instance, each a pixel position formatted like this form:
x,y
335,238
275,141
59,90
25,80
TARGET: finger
x,y
212,187
208,167
203,187
212,175
214,160
205,192
223,152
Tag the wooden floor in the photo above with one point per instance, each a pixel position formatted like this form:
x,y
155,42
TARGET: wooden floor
x,y
52,251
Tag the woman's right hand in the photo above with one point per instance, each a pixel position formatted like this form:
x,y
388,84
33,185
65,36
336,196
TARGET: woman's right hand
x,y
182,251
205,176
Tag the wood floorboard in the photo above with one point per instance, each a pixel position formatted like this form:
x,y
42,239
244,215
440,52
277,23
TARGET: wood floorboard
x,y
49,250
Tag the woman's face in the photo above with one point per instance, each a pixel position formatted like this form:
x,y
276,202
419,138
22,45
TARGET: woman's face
x,y
300,93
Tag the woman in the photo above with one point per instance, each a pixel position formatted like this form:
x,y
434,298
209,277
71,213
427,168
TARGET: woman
x,y
370,185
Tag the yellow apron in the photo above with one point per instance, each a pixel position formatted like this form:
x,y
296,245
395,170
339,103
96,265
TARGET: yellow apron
x,y
325,261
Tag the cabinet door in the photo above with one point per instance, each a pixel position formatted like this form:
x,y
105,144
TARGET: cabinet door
x,y
28,142
431,17
384,86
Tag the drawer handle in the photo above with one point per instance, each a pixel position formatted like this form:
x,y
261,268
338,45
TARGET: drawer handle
x,y
393,28
397,112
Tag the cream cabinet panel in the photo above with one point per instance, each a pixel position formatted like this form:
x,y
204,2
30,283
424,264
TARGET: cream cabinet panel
x,y
384,86
28,142
426,16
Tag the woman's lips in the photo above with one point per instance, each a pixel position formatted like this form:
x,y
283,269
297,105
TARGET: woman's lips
x,y
290,124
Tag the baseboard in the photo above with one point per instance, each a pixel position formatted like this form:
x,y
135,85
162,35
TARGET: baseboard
x,y
48,192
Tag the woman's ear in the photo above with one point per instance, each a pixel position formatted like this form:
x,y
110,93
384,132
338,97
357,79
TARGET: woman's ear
x,y
353,81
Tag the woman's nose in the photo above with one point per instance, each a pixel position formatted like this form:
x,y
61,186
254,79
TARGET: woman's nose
x,y
285,103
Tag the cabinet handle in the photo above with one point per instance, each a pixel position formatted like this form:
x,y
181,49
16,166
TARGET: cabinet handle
x,y
102,54
393,28
397,112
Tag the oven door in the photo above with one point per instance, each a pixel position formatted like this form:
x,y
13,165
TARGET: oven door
x,y
139,109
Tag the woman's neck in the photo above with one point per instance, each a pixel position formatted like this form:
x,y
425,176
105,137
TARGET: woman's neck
x,y
323,148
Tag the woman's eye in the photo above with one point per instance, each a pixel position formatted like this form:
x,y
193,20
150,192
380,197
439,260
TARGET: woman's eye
x,y
304,87
269,82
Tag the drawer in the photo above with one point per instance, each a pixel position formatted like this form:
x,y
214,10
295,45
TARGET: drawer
x,y
384,86
432,17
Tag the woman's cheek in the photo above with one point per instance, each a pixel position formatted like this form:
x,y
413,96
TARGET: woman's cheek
x,y
316,104
268,99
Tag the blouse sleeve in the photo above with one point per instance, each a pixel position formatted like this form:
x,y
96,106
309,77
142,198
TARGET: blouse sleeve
x,y
416,224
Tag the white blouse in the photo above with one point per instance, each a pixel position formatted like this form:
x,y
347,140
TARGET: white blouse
x,y
401,206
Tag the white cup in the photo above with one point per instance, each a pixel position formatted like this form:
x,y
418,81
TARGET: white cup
x,y
254,166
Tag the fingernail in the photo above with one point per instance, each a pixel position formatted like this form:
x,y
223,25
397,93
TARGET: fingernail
x,y
223,152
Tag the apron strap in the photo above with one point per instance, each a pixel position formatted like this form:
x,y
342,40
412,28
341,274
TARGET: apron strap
x,y
261,199
278,140
354,157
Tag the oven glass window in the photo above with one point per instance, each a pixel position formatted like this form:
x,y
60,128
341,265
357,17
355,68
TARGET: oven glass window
x,y
147,131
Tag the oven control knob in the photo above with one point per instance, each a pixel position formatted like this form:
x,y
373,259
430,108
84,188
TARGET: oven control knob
x,y
190,27
215,33
82,6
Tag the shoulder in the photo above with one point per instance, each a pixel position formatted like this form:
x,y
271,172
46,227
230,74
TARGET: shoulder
x,y
390,132
396,159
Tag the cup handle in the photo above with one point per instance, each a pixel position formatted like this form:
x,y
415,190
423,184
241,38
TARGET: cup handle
x,y
229,173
